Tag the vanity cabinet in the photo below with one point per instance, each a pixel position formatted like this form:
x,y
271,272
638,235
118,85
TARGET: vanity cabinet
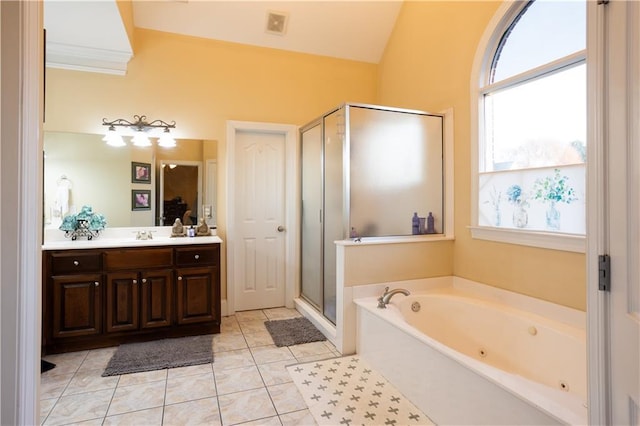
x,y
103,297
76,292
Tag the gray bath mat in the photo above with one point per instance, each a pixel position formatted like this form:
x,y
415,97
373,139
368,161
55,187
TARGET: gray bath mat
x,y
160,354
293,331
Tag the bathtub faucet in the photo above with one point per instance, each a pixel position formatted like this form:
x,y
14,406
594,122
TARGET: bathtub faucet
x,y
384,300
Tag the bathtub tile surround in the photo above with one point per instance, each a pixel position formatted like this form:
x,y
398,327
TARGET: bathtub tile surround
x,y
348,391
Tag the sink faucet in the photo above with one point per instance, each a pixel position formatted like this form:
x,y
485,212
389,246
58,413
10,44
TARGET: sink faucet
x,y
384,300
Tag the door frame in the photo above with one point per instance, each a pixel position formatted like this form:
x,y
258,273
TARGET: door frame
x,y
292,209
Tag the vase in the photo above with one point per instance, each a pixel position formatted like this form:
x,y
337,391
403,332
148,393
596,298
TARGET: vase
x,y
497,217
553,217
520,216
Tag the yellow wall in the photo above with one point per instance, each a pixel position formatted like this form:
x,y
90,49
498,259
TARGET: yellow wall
x,y
203,83
427,65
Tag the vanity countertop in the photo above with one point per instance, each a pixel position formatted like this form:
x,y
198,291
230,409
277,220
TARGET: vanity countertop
x,y
123,237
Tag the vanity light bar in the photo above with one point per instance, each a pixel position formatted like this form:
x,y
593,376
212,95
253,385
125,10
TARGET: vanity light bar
x,y
140,125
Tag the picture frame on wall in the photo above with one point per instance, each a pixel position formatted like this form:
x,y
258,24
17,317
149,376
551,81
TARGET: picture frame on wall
x,y
140,172
140,199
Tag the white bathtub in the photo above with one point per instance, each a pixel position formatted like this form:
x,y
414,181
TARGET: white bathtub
x,y
469,359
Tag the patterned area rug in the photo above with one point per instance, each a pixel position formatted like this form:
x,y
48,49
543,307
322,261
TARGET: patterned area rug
x,y
160,354
294,331
347,391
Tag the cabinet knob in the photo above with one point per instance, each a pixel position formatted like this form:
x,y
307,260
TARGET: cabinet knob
x,y
144,280
196,257
179,278
96,283
135,281
76,263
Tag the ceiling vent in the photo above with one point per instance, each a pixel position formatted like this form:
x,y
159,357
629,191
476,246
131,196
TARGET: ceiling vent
x,y
277,22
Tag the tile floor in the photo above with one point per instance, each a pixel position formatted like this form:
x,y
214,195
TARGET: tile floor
x,y
248,383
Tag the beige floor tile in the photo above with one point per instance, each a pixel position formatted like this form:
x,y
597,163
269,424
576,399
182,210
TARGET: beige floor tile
x,y
309,349
191,370
45,407
92,422
275,373
281,313
87,381
97,359
233,359
318,357
237,379
200,412
228,342
298,418
149,417
142,377
252,326
266,354
65,363
229,325
187,388
286,398
245,316
53,386
262,338
245,406
80,408
270,421
137,397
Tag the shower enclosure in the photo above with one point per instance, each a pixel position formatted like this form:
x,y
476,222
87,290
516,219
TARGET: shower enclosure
x,y
365,171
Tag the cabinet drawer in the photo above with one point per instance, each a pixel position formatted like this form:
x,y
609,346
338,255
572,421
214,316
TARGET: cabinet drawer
x,y
71,262
194,256
138,258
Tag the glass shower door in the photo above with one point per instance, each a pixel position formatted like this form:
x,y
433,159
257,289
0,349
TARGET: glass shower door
x,y
311,230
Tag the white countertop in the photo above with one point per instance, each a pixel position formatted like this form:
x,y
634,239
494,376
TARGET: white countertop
x,y
54,239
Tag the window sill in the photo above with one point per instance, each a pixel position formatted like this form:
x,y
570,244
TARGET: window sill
x,y
547,240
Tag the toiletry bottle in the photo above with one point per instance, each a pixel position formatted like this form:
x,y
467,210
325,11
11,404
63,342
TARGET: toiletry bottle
x,y
415,224
431,224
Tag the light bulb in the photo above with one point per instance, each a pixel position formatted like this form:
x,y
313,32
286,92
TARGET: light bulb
x,y
112,138
166,140
141,139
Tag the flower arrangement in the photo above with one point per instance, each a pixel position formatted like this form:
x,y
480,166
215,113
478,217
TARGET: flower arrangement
x,y
554,189
516,197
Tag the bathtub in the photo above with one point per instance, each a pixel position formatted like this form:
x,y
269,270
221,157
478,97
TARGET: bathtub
x,y
470,358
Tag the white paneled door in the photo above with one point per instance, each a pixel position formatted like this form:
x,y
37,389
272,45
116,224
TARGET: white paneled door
x,y
259,219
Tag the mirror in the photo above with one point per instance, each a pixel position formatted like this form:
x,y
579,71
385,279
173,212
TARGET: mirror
x,y
80,169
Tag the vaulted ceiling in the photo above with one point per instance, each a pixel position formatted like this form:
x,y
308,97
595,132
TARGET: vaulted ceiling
x,y
90,35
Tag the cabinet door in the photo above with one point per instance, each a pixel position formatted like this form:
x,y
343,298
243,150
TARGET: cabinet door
x,y
196,295
155,303
77,305
122,302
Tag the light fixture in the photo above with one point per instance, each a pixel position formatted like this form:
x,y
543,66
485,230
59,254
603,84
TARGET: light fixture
x,y
140,126
112,138
166,140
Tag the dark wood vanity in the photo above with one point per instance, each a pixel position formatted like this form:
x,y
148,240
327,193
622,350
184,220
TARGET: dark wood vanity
x,y
107,296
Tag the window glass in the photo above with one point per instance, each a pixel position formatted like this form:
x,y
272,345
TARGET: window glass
x,y
539,123
532,150
544,32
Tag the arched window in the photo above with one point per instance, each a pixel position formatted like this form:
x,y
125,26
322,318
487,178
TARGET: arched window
x,y
531,130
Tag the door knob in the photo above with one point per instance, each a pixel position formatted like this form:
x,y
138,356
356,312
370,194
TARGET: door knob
x,y
280,228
